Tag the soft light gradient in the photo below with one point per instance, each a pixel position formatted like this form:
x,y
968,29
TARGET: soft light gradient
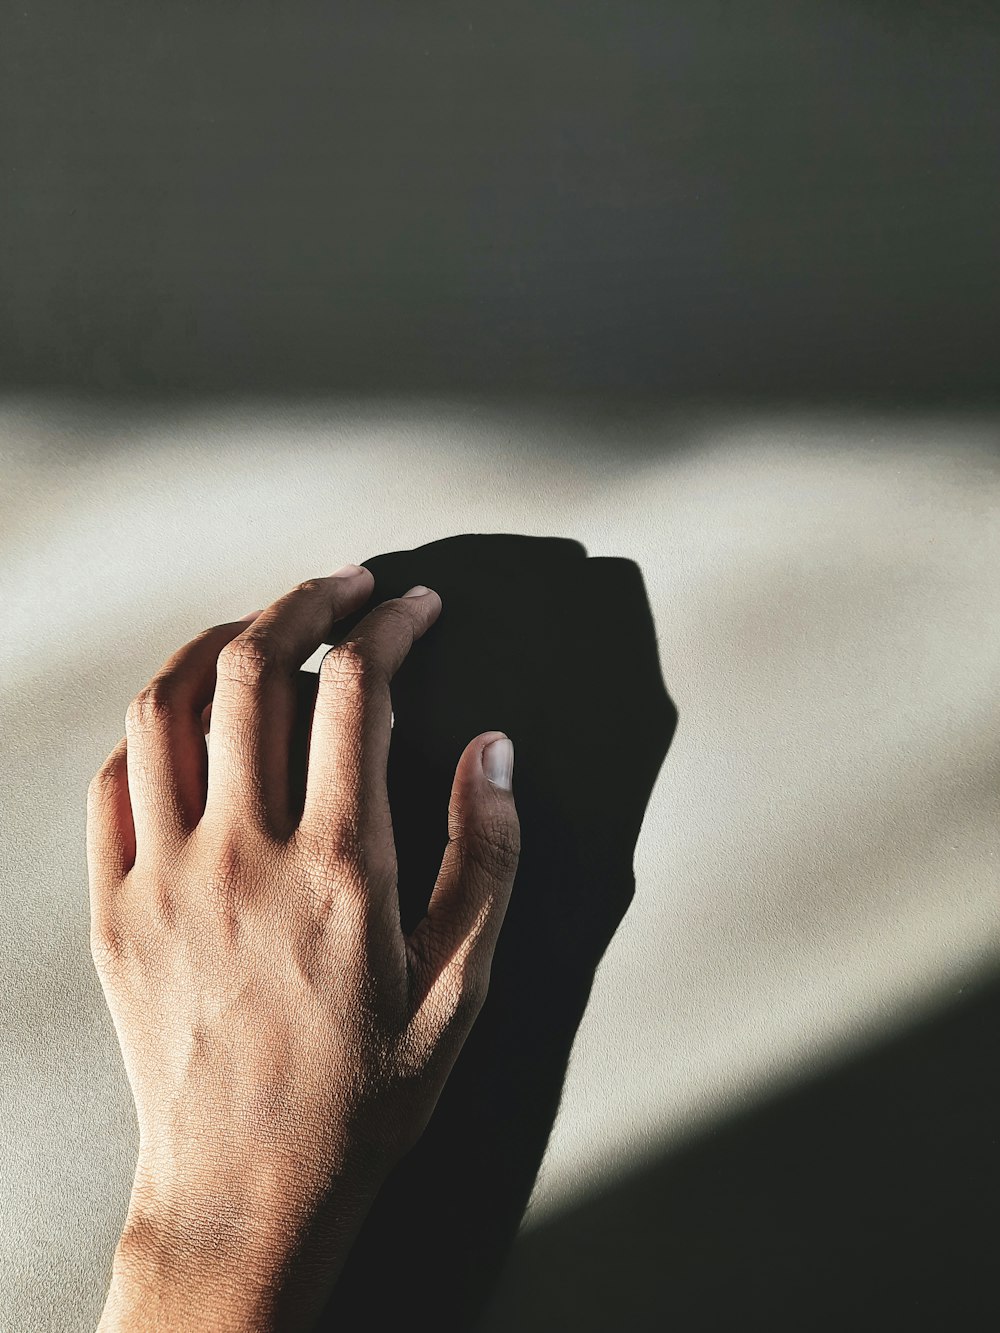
x,y
819,862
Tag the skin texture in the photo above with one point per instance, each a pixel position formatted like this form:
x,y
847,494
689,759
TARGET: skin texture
x,y
284,1041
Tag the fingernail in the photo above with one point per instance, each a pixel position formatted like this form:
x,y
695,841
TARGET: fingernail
x,y
348,572
417,590
250,615
498,762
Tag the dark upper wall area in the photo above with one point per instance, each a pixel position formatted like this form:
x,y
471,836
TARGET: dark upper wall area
x,y
785,199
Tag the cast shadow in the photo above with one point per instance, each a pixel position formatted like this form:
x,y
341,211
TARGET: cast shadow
x,y
865,1200
559,651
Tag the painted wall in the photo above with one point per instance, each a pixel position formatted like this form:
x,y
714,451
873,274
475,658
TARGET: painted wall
x,y
712,290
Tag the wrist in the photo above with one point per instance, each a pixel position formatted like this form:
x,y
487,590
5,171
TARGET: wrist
x,y
211,1222
231,1259
159,1282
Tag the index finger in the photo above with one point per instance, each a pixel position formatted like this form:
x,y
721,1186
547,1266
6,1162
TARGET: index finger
x,y
346,812
253,710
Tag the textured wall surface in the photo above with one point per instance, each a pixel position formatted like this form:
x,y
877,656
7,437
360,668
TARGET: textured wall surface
x,y
819,862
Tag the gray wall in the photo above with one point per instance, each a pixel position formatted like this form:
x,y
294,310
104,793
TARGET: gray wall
x,y
777,198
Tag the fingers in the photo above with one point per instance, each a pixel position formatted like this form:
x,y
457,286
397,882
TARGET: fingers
x,y
166,756
467,908
110,828
346,812
253,710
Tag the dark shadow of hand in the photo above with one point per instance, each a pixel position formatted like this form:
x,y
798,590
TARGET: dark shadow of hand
x,y
559,651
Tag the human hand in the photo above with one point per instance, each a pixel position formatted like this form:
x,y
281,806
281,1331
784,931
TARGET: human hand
x,y
285,1043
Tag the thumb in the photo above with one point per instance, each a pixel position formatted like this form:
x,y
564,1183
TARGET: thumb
x,y
473,888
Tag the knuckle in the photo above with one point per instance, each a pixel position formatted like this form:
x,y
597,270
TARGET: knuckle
x,y
246,661
103,783
229,886
313,587
349,664
230,865
347,865
495,846
152,707
106,944
401,615
400,611
336,851
346,853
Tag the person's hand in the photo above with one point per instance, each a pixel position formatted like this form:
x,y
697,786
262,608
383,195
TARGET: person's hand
x,y
285,1043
